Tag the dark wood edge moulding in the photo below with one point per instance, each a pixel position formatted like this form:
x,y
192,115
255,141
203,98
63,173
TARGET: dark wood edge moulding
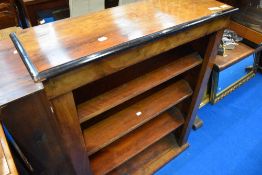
x,y
54,71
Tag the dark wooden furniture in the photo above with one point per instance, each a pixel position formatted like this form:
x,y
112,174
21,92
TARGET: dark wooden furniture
x,y
118,96
32,7
8,14
247,23
111,3
241,51
246,32
31,123
252,36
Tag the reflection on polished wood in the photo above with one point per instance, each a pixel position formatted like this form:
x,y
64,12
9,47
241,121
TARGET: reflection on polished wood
x,y
59,43
15,81
98,69
7,165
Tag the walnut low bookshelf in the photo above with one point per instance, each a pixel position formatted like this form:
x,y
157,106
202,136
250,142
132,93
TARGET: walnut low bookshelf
x,y
117,90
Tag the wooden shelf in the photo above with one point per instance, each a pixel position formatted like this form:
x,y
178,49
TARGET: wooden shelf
x,y
241,51
127,147
118,95
152,158
112,128
246,32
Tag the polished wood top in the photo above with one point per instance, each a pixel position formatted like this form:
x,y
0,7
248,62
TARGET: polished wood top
x,y
54,48
15,81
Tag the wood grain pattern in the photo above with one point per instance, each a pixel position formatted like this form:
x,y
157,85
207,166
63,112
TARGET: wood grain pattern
x,y
4,33
232,56
95,70
33,126
7,165
200,85
53,45
71,133
56,44
135,87
114,80
121,123
246,32
151,159
135,142
15,81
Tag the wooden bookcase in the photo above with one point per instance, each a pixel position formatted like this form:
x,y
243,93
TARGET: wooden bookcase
x,y
127,113
120,91
133,113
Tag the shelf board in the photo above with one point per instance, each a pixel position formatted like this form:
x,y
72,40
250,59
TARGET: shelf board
x,y
119,124
152,158
240,52
246,32
118,95
135,142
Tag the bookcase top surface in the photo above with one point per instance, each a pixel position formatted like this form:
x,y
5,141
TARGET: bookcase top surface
x,y
51,49
15,81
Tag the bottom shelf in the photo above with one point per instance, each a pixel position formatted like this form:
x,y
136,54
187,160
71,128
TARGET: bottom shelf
x,y
151,159
135,142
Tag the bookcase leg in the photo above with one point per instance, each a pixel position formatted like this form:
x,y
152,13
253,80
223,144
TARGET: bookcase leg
x,y
67,119
209,57
198,123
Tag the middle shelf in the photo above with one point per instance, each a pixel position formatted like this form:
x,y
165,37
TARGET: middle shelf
x,y
119,124
116,96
